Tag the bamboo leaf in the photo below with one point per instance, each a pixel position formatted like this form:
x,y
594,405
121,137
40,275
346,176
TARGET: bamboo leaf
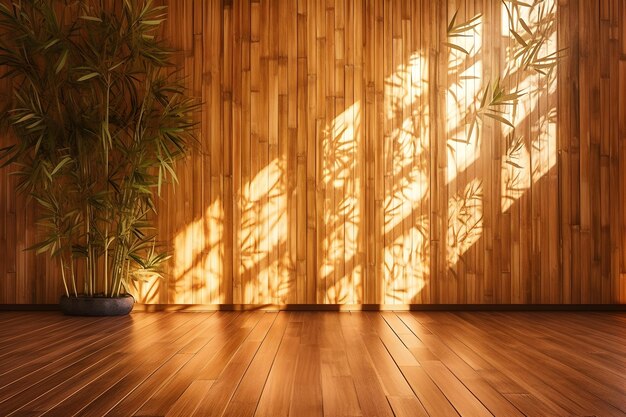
x,y
521,3
517,37
38,144
509,14
467,26
51,43
525,26
91,18
457,47
483,101
88,76
116,65
499,118
60,165
513,164
24,118
469,78
451,24
35,124
61,63
473,125
152,22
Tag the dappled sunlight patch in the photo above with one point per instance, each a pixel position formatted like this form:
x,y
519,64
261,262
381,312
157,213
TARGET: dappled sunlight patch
x,y
263,232
406,85
148,291
407,263
369,197
465,221
406,185
464,79
544,144
339,271
404,197
516,178
531,63
197,258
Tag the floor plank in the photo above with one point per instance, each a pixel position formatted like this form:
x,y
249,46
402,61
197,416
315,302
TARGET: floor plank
x,y
227,377
407,407
318,364
136,398
276,395
248,393
188,403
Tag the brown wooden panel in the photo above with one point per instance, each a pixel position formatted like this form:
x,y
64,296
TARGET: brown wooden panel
x,y
334,166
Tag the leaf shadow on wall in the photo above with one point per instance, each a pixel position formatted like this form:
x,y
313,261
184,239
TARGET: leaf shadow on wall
x,y
431,242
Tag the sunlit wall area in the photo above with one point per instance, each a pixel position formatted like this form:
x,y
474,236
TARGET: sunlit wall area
x,y
406,234
387,152
340,269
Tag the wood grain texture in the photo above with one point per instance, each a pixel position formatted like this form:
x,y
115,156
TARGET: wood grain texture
x,y
322,364
333,164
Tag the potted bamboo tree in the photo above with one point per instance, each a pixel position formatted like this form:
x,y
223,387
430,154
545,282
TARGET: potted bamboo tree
x,y
99,117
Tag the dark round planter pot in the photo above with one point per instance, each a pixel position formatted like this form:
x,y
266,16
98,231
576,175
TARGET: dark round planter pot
x,y
97,306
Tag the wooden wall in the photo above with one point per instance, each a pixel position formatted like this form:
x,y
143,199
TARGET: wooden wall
x,y
335,165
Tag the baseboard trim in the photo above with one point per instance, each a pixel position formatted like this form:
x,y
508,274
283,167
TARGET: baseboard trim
x,y
341,307
381,307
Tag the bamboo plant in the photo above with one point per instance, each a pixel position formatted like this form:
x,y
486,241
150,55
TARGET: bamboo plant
x,y
99,116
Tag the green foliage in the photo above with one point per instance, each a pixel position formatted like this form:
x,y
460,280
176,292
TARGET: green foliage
x,y
493,103
461,30
514,146
100,118
533,37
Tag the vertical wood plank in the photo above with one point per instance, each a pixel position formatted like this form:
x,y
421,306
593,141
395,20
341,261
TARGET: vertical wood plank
x,y
326,169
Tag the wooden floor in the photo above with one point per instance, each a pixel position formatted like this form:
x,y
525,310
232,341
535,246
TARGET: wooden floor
x,y
314,364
